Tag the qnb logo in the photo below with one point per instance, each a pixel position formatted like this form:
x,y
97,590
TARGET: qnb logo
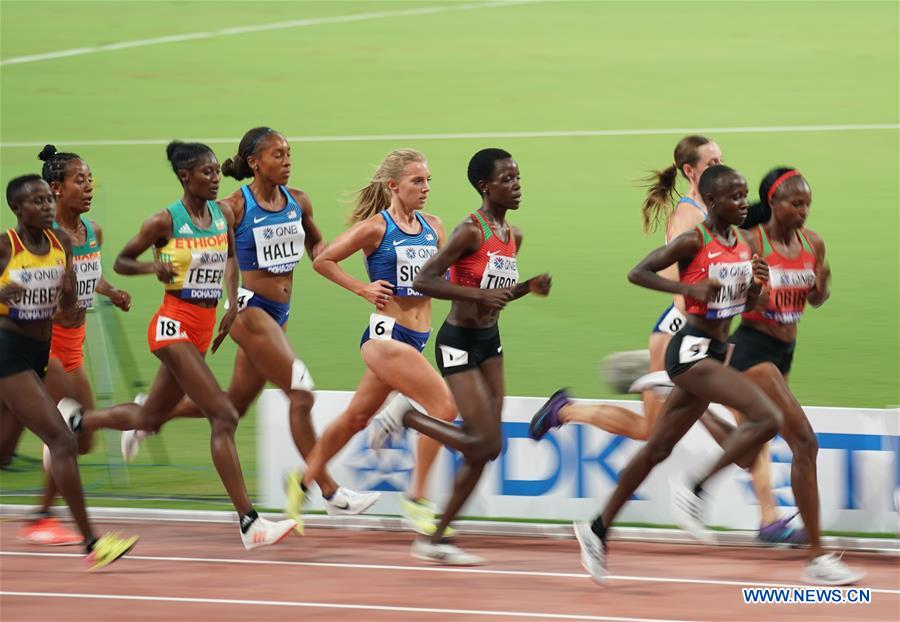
x,y
388,469
25,277
411,253
268,233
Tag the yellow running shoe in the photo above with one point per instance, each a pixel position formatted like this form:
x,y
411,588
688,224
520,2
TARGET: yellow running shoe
x,y
108,549
295,498
419,515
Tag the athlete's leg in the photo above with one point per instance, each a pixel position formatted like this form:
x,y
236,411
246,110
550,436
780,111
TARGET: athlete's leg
x,y
60,384
801,438
370,394
189,369
680,411
164,394
27,397
727,386
479,396
255,331
761,479
10,432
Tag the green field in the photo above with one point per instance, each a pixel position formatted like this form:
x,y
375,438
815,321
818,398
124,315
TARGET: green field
x,y
487,69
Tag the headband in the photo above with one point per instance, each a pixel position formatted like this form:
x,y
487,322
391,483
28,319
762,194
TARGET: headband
x,y
781,179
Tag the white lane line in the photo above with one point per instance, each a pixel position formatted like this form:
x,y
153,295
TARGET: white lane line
x,y
481,571
281,603
351,138
241,30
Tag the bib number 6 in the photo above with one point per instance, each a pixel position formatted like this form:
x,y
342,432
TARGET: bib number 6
x,y
381,326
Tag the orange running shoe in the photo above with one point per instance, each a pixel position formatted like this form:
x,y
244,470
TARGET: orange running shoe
x,y
49,532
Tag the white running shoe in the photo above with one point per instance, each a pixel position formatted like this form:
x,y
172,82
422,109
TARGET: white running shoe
x,y
72,413
830,570
132,439
345,501
389,422
658,381
593,552
444,553
264,532
688,510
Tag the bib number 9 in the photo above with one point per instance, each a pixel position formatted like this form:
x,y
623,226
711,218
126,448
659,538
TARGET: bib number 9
x,y
693,349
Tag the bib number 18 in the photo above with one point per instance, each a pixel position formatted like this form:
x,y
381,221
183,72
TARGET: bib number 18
x,y
167,328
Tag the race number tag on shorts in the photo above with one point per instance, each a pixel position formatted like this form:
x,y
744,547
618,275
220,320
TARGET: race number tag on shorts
x,y
410,260
453,357
693,349
671,322
243,299
499,272
381,326
168,329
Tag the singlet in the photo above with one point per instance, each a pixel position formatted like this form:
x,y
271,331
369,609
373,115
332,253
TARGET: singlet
x,y
689,201
271,241
729,266
199,255
40,275
86,262
790,281
401,255
492,266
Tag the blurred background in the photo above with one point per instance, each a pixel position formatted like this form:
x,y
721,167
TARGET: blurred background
x,y
587,96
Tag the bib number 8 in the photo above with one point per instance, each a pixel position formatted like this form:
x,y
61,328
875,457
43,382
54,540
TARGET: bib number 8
x,y
693,349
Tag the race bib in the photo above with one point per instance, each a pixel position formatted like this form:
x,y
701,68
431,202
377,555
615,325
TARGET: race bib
x,y
788,289
87,274
168,329
243,298
279,247
410,260
499,272
204,276
693,349
381,326
735,279
453,357
41,295
671,322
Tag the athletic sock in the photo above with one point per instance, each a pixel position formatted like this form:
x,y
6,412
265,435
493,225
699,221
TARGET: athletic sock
x,y
89,547
698,490
247,520
599,529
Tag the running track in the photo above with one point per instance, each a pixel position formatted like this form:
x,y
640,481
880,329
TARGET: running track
x,y
185,571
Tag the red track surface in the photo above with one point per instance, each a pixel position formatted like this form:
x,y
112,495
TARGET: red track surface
x,y
370,576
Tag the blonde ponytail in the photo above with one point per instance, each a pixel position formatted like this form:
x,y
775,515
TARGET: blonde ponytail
x,y
376,197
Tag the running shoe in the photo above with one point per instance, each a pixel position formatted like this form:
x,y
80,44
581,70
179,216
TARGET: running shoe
x,y
830,570
48,532
593,552
72,413
656,381
420,516
108,549
387,423
264,532
443,553
779,532
345,502
294,499
132,439
688,510
547,416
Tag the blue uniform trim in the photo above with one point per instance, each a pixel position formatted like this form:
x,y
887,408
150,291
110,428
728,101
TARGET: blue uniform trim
x,y
692,202
279,311
403,335
413,249
256,217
